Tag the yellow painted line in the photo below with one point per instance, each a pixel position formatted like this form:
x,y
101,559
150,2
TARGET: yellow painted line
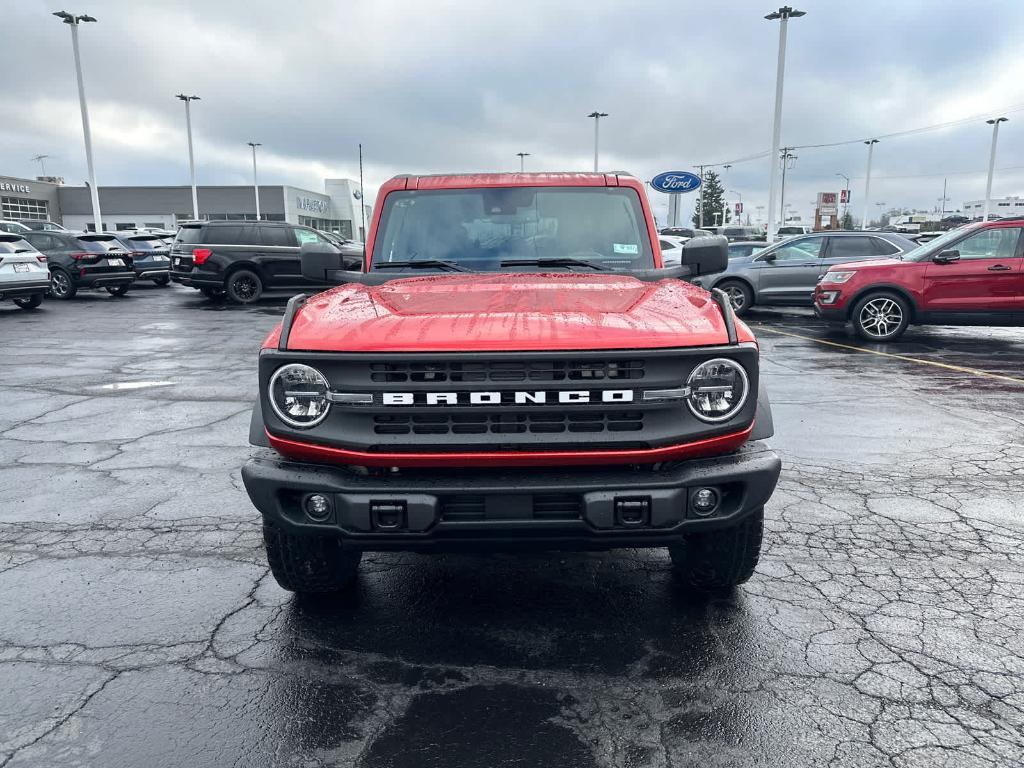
x,y
906,358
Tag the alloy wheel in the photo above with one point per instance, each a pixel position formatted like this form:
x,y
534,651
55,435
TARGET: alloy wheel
x,y
245,288
60,284
737,297
881,317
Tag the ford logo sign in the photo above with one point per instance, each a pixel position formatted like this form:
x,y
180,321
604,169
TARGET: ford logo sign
x,y
676,181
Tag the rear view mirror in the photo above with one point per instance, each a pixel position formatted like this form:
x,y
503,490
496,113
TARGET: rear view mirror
x,y
319,262
946,257
706,255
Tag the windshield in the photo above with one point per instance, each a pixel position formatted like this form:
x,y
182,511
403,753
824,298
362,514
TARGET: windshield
x,y
99,243
479,229
146,243
933,246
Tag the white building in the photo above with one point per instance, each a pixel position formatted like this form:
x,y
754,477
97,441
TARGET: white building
x,y
1001,206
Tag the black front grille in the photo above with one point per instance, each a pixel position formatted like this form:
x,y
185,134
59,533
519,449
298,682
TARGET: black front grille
x,y
539,506
507,371
509,423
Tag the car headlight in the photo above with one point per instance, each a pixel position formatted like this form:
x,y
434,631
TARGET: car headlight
x,y
838,277
298,394
718,389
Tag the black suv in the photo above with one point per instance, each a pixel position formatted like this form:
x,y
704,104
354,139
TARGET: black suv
x,y
82,260
241,259
150,256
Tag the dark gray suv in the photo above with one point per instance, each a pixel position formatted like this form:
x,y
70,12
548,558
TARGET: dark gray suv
x,y
785,273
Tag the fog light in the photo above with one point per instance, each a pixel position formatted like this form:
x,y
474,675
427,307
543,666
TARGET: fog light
x,y
828,297
704,501
318,507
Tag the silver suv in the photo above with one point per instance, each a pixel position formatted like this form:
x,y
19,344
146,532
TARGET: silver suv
x,y
785,273
24,276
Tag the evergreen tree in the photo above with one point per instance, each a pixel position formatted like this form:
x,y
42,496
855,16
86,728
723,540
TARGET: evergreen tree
x,y
847,221
711,194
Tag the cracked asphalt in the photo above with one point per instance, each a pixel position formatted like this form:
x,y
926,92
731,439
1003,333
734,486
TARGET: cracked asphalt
x,y
139,625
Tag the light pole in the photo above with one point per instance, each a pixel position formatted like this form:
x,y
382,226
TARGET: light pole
x,y
73,21
521,156
42,166
867,182
788,161
943,200
846,189
725,205
881,207
992,162
191,157
255,181
784,14
597,122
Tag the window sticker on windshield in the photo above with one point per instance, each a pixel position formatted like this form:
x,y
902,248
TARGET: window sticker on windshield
x,y
625,248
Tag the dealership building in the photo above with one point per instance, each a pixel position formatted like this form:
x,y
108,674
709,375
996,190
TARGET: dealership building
x,y
336,209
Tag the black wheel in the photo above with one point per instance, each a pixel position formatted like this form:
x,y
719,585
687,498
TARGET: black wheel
x,y
881,316
162,282
719,560
212,293
30,302
61,286
244,286
739,293
309,564
117,290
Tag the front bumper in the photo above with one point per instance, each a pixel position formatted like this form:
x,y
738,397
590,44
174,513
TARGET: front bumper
x,y
13,290
830,314
559,508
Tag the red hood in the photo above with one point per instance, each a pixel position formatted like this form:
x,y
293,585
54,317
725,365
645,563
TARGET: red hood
x,y
502,312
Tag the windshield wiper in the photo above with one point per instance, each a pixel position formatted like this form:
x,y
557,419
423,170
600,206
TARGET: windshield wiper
x,y
416,263
558,261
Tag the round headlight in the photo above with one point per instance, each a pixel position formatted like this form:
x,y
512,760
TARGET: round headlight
x,y
298,394
718,389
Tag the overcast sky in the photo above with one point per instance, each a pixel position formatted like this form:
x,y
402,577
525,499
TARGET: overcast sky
x,y
433,86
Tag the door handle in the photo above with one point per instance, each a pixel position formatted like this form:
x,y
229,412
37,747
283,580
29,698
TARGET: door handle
x,y
999,268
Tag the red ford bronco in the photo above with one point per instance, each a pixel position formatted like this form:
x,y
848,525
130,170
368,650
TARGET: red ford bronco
x,y
512,368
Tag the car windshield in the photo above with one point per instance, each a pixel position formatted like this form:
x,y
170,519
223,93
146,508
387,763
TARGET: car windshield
x,y
145,243
516,228
932,246
99,243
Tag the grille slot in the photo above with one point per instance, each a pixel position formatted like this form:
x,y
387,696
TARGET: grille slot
x,y
499,371
468,507
509,423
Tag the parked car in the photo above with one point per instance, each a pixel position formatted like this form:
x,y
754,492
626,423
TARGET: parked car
x,y
793,229
241,260
24,277
84,260
150,256
13,227
678,231
970,276
672,249
741,250
42,225
735,233
786,272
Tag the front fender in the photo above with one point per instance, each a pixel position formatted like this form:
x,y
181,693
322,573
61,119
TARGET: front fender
x,y
257,431
764,425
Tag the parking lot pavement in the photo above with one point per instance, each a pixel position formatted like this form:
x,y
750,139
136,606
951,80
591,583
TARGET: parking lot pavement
x,y
139,625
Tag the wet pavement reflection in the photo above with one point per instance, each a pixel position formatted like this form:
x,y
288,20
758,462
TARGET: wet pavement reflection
x,y
139,624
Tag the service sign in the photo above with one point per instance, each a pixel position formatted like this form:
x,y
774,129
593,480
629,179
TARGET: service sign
x,y
676,182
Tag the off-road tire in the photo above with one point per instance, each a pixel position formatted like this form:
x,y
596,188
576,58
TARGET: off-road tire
x,y
243,286
29,302
739,294
719,560
61,285
309,564
117,290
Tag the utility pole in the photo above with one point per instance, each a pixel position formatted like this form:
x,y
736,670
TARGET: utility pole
x,y
42,166
522,165
362,201
725,167
867,182
992,163
700,198
943,200
784,14
846,189
255,182
597,122
191,156
73,21
787,156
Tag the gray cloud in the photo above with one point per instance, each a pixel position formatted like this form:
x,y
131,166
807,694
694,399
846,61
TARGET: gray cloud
x,y
438,86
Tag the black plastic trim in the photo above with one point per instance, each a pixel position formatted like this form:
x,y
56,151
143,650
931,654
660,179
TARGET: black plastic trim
x,y
294,303
727,314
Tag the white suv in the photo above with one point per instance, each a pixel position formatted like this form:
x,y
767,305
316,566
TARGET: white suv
x,y
24,274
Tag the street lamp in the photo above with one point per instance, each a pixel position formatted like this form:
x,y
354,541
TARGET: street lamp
x,y
191,157
788,161
521,156
597,122
255,182
73,21
725,205
846,189
784,14
881,208
992,162
867,182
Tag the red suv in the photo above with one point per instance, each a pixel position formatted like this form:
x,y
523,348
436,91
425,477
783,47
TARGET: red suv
x,y
970,276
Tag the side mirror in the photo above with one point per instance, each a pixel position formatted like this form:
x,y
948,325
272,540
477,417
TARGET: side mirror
x,y
767,256
319,262
705,255
946,257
